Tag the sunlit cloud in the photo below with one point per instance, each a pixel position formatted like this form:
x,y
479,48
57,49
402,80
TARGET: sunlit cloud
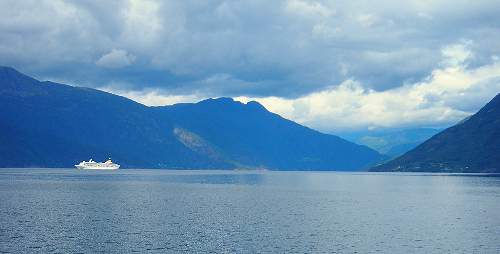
x,y
448,95
153,97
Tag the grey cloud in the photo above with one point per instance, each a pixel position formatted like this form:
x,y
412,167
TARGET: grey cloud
x,y
254,48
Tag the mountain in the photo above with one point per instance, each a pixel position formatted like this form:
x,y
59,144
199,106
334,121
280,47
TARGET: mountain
x,y
250,135
45,124
473,145
391,142
52,125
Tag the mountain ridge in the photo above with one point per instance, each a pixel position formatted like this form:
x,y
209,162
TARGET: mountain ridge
x,y
48,124
470,146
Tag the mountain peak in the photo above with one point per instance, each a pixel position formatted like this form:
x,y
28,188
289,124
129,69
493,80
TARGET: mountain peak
x,y
9,72
256,105
228,101
11,81
495,102
471,146
220,100
7,69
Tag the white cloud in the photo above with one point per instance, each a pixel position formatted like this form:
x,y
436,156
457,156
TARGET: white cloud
x,y
446,96
309,8
456,54
367,19
449,94
142,24
295,46
388,63
152,97
116,58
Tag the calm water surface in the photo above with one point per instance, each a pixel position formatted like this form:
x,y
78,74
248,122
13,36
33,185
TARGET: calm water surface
x,y
158,211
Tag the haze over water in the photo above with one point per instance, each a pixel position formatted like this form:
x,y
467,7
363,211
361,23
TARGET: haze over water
x,y
64,210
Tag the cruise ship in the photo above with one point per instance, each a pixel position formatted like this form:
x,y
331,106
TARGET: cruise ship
x,y
108,165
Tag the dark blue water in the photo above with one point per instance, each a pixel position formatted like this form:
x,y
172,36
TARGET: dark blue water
x,y
69,211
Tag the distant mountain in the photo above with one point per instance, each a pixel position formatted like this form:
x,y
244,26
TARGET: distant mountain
x,y
473,145
45,124
391,142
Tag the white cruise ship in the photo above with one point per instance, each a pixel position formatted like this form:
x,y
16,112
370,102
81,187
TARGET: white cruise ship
x,y
108,165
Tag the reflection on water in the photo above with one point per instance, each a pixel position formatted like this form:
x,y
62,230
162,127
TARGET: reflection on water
x,y
64,210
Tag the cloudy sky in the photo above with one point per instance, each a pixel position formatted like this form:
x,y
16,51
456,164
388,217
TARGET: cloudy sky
x,y
331,65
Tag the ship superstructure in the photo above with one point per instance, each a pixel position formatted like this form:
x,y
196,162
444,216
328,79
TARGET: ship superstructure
x,y
108,165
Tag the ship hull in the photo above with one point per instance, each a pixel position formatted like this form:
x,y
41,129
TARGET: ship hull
x,y
97,168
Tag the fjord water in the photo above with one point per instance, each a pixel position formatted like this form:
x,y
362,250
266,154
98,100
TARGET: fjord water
x,y
65,210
